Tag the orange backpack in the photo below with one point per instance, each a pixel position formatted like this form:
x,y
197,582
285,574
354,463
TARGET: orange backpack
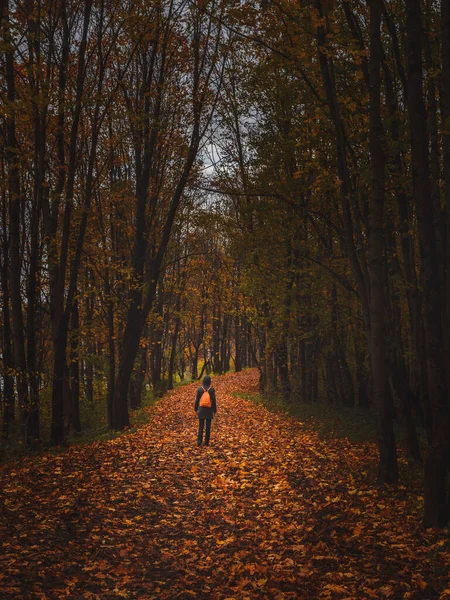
x,y
205,399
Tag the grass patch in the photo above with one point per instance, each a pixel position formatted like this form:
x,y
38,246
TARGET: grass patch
x,y
356,424
94,422
94,418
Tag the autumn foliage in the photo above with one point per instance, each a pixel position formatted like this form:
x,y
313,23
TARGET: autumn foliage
x,y
269,510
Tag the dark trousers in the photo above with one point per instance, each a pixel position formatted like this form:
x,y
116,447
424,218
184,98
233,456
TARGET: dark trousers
x,y
201,426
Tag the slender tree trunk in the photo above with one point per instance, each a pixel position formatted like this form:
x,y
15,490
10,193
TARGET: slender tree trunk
x,y
157,346
418,367
315,383
445,103
224,344
137,381
39,188
33,420
435,158
174,341
15,209
88,379
111,353
361,378
131,338
330,379
75,369
59,376
398,376
341,367
227,357
238,345
216,324
436,511
8,363
342,166
437,504
302,368
62,299
388,469
194,366
34,378
282,363
271,374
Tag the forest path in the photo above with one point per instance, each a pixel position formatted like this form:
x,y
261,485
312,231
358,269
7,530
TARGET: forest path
x,y
267,511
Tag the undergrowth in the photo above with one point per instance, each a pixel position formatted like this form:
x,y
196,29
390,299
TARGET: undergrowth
x,y
94,422
356,424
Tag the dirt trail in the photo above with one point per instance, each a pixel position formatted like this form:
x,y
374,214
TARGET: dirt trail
x,y
267,511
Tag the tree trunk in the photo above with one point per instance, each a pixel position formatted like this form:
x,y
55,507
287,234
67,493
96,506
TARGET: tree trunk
x,y
418,367
341,367
271,374
174,341
39,188
59,375
435,159
388,469
33,417
330,379
326,68
111,353
15,209
436,465
238,348
138,378
224,344
361,385
132,335
75,369
61,298
216,324
282,363
8,363
157,346
398,377
445,103
194,366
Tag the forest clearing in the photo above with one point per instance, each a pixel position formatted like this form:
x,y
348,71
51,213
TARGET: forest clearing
x,y
267,511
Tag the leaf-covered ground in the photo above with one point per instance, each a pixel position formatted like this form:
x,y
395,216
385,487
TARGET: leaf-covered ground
x,y
267,511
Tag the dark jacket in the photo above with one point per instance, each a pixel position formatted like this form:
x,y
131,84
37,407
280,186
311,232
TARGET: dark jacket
x,y
204,412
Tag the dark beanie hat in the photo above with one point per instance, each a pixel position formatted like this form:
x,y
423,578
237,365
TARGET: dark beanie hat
x,y
206,381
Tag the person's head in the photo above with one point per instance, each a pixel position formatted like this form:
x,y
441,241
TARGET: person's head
x,y
206,381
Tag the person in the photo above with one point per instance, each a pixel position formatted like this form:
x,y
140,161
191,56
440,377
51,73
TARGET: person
x,y
205,413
